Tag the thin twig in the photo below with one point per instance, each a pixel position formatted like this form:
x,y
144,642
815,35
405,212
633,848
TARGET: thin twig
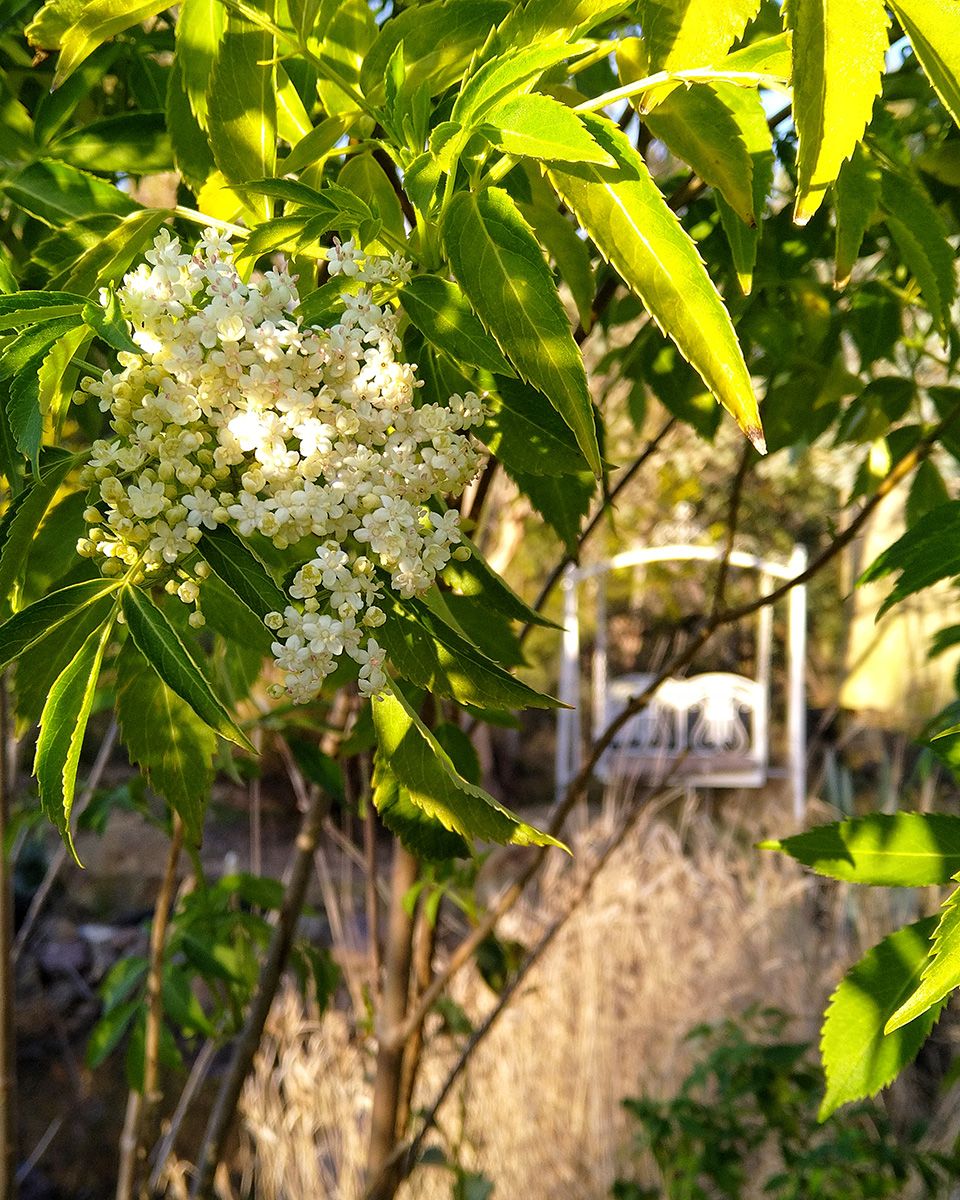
x,y
221,1118
577,788
140,1111
733,520
647,807
154,991
39,1150
628,475
198,1073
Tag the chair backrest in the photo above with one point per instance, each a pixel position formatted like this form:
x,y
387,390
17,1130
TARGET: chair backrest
x,y
709,729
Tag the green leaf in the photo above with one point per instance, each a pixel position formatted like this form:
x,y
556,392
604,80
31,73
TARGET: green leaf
x,y
242,113
888,850
438,41
37,667
552,20
52,21
346,39
927,492
22,519
526,434
57,193
435,786
501,269
921,237
242,571
158,642
363,175
106,261
109,324
477,579
503,79
929,551
58,374
422,835
99,20
430,653
438,309
540,127
838,59
625,213
166,739
570,253
933,27
858,1057
698,126
941,975
191,150
135,142
200,28
697,33
318,143
562,500
856,197
31,625
34,343
62,726
26,308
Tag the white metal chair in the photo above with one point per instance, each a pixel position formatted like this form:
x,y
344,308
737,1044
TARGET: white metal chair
x,y
706,730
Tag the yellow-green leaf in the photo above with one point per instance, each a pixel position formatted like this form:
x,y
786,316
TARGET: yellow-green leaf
x,y
242,106
200,28
697,125
933,27
694,34
838,58
98,21
624,212
858,1057
942,971
435,786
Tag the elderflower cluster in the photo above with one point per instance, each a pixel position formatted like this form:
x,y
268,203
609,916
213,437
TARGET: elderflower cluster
x,y
234,413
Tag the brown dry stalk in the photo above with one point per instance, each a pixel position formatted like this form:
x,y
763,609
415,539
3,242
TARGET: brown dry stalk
x,y
142,1105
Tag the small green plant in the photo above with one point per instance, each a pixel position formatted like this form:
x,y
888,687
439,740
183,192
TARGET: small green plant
x,y
744,1123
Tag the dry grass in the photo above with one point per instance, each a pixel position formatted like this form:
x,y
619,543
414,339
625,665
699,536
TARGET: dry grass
x,y
686,923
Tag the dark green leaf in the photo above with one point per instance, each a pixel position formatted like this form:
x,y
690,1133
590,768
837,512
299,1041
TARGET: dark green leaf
x,y
129,142
503,274
55,193
23,518
27,627
165,738
158,642
423,835
242,571
437,308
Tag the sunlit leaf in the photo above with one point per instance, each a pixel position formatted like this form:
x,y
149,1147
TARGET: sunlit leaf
x,y
858,1057
933,27
434,785
625,213
98,21
838,58
889,850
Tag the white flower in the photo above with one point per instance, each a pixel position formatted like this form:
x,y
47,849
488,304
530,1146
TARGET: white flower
x,y
235,414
